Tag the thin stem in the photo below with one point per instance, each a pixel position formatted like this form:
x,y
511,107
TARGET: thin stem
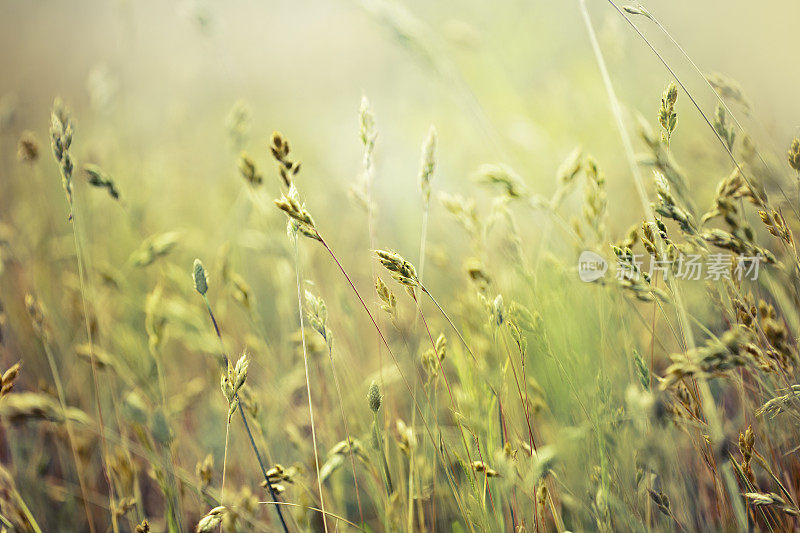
x,y
308,381
382,452
446,382
225,458
93,360
410,516
347,433
260,205
423,240
519,391
241,409
70,433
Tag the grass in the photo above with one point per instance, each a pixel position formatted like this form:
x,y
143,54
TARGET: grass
x,y
496,392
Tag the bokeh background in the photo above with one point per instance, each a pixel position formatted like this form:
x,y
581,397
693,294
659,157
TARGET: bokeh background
x,y
512,81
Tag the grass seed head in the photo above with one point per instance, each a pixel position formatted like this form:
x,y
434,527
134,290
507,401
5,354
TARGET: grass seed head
x,y
642,371
155,321
232,381
25,406
483,468
667,116
61,132
498,310
97,177
387,297
211,520
374,398
300,220
729,89
406,440
794,154
427,164
504,177
247,168
790,398
667,205
8,378
317,313
287,168
402,271
777,226
570,167
239,123
200,277
724,129
596,201
637,9
205,471
367,132
155,247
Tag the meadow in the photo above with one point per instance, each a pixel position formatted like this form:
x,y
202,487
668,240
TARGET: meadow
x,y
399,266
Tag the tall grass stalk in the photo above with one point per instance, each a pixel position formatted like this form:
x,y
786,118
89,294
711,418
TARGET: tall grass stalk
x,y
308,381
280,152
61,133
241,409
708,404
427,166
225,458
368,134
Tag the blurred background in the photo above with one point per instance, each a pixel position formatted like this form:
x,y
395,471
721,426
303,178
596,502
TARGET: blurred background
x,y
505,81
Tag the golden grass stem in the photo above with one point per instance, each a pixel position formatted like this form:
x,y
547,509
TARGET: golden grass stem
x,y
225,458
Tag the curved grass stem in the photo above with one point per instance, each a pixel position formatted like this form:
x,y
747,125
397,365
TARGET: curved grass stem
x,y
241,409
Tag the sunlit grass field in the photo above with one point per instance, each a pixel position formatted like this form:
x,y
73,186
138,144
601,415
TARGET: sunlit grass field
x,y
386,266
